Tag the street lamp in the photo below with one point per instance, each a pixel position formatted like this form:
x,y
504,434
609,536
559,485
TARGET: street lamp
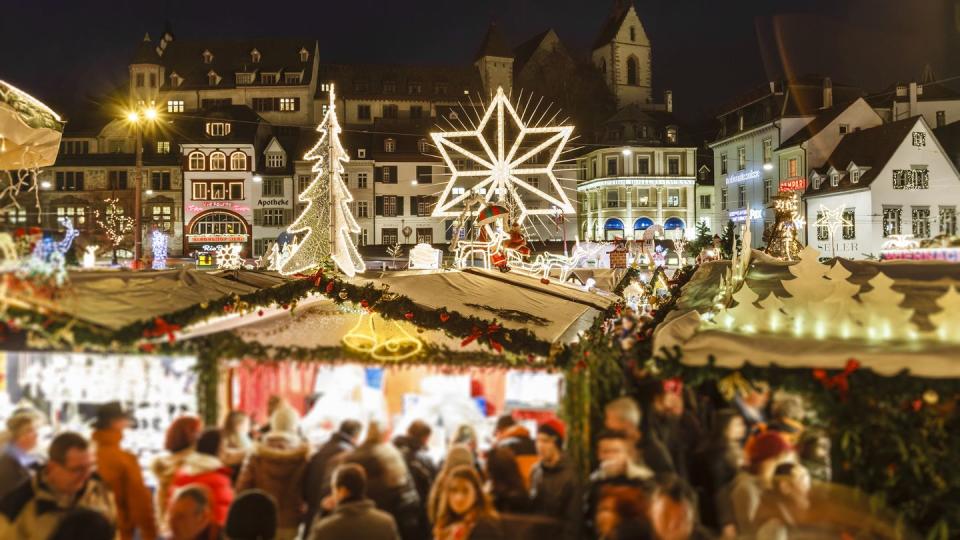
x,y
138,118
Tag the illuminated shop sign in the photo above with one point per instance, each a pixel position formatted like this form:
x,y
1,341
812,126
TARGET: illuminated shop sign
x,y
742,176
226,205
741,215
216,238
922,254
793,184
645,181
273,202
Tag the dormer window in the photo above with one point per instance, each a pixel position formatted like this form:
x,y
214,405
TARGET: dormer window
x,y
245,78
304,54
207,57
453,115
292,78
854,176
218,129
274,160
414,88
834,178
255,56
440,89
671,135
268,78
212,78
175,79
218,161
389,145
361,153
389,87
422,146
815,178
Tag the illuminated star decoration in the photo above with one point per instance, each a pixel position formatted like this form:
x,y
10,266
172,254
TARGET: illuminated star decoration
x,y
500,166
832,219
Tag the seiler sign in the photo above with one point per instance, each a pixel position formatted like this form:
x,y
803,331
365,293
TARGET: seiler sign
x,y
797,183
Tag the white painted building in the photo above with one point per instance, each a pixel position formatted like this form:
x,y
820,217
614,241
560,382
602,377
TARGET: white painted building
x,y
886,180
938,104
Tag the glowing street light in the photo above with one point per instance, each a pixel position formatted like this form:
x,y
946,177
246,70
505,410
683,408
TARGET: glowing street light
x,y
148,115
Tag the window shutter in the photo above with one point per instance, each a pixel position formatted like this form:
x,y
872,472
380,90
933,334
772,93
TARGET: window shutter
x,y
258,217
80,181
379,205
287,216
400,205
393,174
378,174
415,205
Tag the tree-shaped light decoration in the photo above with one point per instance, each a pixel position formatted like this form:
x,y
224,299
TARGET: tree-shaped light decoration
x,y
880,314
327,220
821,298
501,163
946,324
114,225
158,245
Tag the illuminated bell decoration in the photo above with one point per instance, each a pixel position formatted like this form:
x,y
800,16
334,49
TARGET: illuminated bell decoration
x,y
385,341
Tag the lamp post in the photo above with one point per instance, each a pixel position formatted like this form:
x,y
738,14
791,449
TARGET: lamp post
x,y
138,119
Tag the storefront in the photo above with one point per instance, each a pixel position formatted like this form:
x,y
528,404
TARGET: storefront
x,y
219,226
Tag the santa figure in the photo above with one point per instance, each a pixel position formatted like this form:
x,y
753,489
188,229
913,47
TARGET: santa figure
x,y
516,241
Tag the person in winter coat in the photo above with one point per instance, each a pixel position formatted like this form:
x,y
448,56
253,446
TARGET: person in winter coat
x,y
505,484
277,465
510,434
617,468
178,442
236,440
17,458
554,481
764,454
205,468
466,513
457,455
252,516
622,514
316,485
389,484
121,471
355,516
35,509
715,464
413,446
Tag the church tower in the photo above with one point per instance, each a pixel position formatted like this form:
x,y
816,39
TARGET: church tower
x,y
622,55
495,62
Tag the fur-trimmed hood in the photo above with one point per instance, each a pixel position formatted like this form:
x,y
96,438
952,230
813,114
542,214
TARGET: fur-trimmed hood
x,y
197,463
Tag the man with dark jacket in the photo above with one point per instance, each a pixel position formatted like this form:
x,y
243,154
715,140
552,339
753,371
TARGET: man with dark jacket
x,y
509,434
355,516
413,446
554,485
618,467
321,466
17,458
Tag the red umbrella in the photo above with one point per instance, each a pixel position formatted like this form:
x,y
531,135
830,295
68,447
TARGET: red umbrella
x,y
491,214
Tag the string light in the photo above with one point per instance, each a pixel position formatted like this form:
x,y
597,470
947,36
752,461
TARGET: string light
x,y
158,242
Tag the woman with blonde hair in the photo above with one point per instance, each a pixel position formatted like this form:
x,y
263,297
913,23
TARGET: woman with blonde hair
x,y
458,455
465,512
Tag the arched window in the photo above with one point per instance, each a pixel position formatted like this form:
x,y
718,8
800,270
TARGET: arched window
x,y
631,70
633,34
218,161
613,224
238,161
642,224
218,223
603,66
390,145
673,224
196,161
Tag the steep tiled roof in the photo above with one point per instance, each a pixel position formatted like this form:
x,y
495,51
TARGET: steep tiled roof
x,y
437,83
233,56
871,148
146,53
244,124
406,136
493,44
816,125
523,52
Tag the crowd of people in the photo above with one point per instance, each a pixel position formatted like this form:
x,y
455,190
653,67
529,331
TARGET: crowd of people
x,y
668,468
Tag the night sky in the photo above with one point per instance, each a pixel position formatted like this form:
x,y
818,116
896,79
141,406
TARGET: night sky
x,y
706,51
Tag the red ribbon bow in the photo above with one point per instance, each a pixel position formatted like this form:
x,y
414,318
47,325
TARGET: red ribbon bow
x,y
478,333
838,381
161,328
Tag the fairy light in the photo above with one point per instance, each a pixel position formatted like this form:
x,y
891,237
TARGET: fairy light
x,y
158,244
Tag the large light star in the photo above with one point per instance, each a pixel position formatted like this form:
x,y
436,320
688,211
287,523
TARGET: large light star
x,y
833,220
500,167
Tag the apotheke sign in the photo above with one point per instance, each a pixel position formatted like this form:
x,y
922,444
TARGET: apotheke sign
x,y
273,202
742,176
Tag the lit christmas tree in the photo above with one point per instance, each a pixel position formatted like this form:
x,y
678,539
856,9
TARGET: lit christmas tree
x,y
783,242
327,220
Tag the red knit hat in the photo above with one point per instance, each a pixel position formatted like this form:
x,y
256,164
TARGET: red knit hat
x,y
554,428
767,445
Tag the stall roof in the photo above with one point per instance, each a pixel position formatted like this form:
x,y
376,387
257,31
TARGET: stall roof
x,y
922,282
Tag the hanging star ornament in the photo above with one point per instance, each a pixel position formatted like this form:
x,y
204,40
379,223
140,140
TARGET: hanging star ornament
x,y
500,159
832,219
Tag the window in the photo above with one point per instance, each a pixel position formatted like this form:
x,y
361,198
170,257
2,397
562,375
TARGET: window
x,y
218,191
671,135
920,216
163,147
390,111
723,164
390,206
175,106
891,220
387,175
236,191
304,55
533,182
117,179
941,118
219,223
834,179
255,56
633,34
643,197
363,209
705,202
854,176
362,180
196,161
360,86
793,168
213,79
673,197
723,198
274,160
440,89
161,215
849,232
160,180
919,138
238,161
218,129
673,166
596,172
948,220
13,216
424,235
611,166
389,145
632,71
76,214
218,161
389,87
424,174
613,198
741,196
414,88
268,78
767,190
423,146
643,165
741,158
388,236
916,177
844,129
767,150
416,111
207,57
273,187
262,245
139,80
199,191
289,104
361,153
292,78
69,180
363,112
363,237
214,103
823,232
273,217
303,181
75,147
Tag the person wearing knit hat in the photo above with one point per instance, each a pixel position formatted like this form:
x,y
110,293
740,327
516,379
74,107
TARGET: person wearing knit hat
x,y
554,482
252,516
764,453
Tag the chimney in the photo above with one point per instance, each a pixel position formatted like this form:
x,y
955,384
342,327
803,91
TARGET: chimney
x,y
912,110
827,93
773,87
668,100
901,90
